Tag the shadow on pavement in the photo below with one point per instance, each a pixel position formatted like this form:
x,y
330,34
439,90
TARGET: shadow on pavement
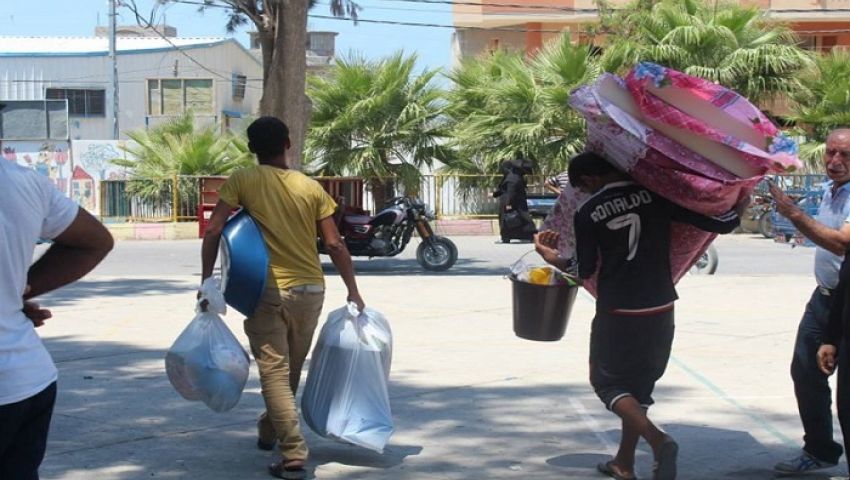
x,y
114,287
118,417
410,267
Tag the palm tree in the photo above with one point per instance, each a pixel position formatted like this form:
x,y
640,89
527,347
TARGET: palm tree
x,y
376,119
504,104
723,42
179,148
824,103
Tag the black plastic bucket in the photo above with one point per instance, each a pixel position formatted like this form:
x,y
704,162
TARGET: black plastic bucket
x,y
541,312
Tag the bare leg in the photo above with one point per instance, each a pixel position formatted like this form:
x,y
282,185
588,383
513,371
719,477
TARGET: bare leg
x,y
636,422
624,461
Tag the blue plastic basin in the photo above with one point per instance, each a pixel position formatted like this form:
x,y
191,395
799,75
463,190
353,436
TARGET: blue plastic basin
x,y
244,263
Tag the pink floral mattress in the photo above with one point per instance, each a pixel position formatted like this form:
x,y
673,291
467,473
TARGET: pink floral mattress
x,y
696,143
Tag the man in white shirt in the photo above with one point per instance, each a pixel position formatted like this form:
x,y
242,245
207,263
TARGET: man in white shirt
x,y
829,230
31,208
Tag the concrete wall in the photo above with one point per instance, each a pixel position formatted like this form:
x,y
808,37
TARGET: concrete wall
x,y
470,43
27,78
492,14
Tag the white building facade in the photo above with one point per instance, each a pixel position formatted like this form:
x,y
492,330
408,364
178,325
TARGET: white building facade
x,y
217,79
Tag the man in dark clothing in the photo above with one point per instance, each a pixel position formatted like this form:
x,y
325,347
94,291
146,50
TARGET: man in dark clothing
x,y
625,230
834,341
514,220
829,230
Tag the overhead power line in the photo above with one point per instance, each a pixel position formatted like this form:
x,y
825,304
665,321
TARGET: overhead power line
x,y
436,25
510,29
505,5
523,6
177,48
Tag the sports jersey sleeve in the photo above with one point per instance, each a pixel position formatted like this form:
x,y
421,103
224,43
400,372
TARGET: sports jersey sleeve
x,y
325,205
60,211
229,192
586,246
723,223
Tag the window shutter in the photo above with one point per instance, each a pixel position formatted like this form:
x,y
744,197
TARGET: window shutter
x,y
96,102
199,97
154,98
172,96
240,82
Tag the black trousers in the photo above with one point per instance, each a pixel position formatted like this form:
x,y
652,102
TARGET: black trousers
x,y
23,434
628,354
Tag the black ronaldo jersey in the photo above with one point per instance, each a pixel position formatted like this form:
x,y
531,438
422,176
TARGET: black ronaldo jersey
x,y
625,229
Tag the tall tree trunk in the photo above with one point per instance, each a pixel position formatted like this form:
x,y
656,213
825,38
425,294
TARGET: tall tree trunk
x,y
284,71
379,193
382,190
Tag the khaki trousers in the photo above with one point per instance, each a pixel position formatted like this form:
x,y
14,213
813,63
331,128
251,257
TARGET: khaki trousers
x,y
280,333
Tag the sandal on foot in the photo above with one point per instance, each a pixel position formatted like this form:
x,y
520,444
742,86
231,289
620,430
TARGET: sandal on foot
x,y
665,465
608,469
292,470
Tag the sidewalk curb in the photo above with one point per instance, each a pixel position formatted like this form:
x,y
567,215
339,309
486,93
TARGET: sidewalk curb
x,y
189,230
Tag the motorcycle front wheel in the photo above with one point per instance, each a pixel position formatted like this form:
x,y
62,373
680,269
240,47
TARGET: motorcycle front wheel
x,y
437,255
707,263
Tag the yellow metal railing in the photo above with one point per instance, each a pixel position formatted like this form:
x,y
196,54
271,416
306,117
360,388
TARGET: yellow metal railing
x,y
449,196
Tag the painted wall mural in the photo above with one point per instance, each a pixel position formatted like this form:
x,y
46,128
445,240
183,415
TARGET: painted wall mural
x,y
93,165
49,158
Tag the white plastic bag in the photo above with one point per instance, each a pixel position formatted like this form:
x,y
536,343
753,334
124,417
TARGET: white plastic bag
x,y
206,362
346,396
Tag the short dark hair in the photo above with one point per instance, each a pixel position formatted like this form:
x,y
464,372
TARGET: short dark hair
x,y
267,137
590,164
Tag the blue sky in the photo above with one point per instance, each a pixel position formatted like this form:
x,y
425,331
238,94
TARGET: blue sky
x,y
79,17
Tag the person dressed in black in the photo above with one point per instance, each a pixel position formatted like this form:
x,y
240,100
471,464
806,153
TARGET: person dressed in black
x,y
625,229
514,220
834,341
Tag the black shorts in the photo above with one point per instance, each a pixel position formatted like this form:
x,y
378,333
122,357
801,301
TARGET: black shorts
x,y
628,354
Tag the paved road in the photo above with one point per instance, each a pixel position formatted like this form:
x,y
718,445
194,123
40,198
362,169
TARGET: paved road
x,y
478,255
470,400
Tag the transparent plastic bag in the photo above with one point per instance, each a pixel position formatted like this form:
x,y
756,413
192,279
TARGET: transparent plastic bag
x,y
206,363
534,270
346,396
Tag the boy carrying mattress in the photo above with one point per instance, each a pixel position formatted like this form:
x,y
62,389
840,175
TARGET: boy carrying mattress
x,y
625,229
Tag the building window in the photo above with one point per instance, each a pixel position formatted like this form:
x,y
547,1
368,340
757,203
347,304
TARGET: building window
x,y
81,102
810,42
819,43
173,96
240,82
493,45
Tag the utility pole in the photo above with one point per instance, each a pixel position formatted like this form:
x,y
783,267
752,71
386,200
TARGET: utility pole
x,y
114,58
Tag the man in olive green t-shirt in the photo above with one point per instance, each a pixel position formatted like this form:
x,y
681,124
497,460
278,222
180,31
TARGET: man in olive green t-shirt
x,y
292,210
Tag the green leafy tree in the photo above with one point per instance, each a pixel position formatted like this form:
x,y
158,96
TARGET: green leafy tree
x,y
504,104
282,29
823,104
179,148
720,41
376,119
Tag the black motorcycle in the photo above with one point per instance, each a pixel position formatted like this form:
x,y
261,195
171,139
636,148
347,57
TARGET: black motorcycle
x,y
388,233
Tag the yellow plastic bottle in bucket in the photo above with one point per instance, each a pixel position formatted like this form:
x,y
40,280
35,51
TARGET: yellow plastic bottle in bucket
x,y
540,276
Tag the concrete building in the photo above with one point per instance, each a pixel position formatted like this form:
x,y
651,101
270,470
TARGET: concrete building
x,y
527,24
215,78
321,50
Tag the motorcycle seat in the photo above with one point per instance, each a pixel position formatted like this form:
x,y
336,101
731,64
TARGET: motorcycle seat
x,y
357,219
